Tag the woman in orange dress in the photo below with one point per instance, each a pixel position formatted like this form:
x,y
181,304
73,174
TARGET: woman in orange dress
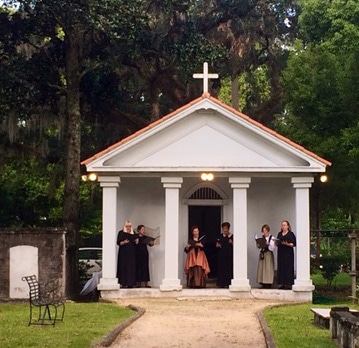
x,y
196,268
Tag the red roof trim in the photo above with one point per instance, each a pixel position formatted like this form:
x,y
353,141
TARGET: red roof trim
x,y
221,104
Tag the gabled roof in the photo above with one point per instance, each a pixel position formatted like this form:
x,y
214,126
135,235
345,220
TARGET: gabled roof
x,y
205,105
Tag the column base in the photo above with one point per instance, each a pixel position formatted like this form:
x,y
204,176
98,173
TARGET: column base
x,y
171,285
108,284
240,285
303,285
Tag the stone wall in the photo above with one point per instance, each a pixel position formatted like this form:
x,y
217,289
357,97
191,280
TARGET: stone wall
x,y
50,263
344,327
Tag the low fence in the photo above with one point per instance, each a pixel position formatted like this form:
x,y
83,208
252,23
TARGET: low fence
x,y
334,251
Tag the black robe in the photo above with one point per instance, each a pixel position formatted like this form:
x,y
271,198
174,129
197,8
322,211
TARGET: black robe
x,y
142,266
126,262
285,258
225,261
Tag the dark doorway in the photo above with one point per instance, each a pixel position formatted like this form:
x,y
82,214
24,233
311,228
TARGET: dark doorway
x,y
208,219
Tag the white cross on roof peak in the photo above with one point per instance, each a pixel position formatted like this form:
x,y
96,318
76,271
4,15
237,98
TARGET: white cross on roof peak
x,y
205,76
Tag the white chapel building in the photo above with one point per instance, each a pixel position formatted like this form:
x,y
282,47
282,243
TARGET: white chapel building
x,y
154,177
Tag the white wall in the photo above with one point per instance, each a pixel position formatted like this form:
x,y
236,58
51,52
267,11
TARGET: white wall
x,y
142,200
270,200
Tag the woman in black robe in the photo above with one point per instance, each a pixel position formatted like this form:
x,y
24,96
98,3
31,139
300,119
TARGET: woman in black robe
x,y
126,262
225,257
142,265
285,257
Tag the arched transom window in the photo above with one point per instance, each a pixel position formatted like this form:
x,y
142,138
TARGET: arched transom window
x,y
207,193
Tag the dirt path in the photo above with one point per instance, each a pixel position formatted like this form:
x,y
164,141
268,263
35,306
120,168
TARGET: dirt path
x,y
194,323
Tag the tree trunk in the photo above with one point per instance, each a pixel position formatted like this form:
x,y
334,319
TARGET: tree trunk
x,y
234,92
73,146
155,104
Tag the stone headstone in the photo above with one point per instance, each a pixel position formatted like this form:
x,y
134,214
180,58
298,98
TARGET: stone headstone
x,y
23,262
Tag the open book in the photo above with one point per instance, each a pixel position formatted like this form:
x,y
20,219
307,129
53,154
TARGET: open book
x,y
153,233
147,239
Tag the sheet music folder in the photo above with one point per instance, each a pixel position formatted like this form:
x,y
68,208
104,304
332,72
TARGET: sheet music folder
x,y
261,242
193,242
132,236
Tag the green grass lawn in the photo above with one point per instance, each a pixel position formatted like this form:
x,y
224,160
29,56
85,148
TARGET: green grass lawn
x,y
84,324
292,325
87,323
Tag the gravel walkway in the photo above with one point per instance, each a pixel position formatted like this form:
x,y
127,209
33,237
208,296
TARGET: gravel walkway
x,y
199,322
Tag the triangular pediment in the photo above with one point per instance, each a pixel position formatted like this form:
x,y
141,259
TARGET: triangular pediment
x,y
206,136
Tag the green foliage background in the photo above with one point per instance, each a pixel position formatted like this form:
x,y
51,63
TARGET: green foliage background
x,y
296,62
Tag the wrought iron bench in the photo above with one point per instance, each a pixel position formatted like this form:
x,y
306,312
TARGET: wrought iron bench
x,y
46,303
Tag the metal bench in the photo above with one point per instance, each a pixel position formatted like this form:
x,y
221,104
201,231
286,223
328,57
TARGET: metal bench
x,y
45,302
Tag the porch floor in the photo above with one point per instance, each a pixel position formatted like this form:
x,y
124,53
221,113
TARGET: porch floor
x,y
214,293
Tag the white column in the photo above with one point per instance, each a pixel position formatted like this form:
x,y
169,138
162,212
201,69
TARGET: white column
x,y
302,231
171,281
110,185
240,281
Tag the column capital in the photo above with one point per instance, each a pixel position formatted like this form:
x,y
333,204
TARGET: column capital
x,y
172,182
109,181
302,182
239,182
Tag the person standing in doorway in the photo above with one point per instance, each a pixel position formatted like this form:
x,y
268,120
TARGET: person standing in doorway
x,y
285,260
225,256
265,269
126,262
142,265
196,267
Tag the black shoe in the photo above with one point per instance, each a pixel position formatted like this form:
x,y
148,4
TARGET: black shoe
x,y
282,287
